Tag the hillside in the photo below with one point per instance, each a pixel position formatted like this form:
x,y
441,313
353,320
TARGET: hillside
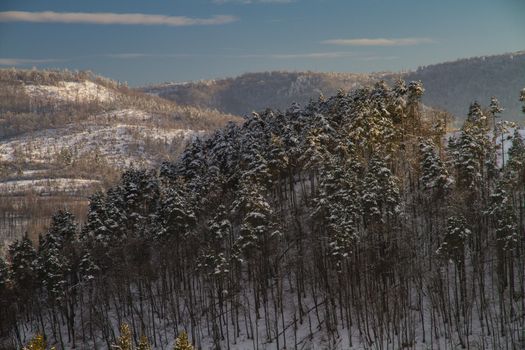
x,y
351,223
452,86
257,91
64,135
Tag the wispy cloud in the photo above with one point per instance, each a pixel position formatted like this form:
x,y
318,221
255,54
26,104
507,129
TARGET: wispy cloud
x,y
112,18
378,42
26,61
253,1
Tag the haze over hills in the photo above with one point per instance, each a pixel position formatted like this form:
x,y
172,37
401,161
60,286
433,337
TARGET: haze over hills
x,y
451,86
257,91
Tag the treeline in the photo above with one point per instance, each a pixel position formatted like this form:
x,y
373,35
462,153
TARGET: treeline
x,y
349,222
54,77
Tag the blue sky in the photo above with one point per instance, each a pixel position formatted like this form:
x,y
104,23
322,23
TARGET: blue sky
x,y
147,41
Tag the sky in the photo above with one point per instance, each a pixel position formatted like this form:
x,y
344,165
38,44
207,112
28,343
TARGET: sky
x,y
151,41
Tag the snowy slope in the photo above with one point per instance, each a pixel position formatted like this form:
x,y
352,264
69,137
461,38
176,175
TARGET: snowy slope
x,y
85,91
120,142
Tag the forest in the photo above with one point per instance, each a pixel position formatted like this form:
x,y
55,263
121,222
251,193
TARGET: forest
x,y
357,221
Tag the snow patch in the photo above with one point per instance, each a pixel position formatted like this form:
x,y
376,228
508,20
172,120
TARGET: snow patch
x,y
80,92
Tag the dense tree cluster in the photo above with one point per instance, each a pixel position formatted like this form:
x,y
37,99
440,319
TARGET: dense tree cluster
x,y
352,221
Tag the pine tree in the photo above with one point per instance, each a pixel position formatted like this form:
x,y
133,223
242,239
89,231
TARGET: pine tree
x,y
337,208
37,343
504,217
24,265
217,245
125,340
515,165
182,342
175,213
495,109
380,198
56,254
434,175
472,152
456,236
144,343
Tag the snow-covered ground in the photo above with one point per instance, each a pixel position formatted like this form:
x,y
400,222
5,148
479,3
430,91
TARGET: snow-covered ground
x,y
114,136
71,92
41,186
311,334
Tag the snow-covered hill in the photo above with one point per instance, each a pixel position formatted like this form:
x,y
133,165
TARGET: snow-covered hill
x,y
65,135
120,138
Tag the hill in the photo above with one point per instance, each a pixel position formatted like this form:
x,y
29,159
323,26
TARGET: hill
x,y
349,223
452,86
257,91
64,135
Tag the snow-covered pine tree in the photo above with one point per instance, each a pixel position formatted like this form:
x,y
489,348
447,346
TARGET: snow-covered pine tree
x,y
217,246
434,174
495,109
175,213
504,218
454,242
24,266
139,191
380,197
516,164
472,151
337,210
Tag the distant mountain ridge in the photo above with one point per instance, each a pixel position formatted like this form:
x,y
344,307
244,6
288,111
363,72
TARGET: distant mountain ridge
x,y
257,91
451,86
454,85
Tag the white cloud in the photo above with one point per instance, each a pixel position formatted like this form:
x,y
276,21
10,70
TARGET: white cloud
x,y
25,61
111,18
379,42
